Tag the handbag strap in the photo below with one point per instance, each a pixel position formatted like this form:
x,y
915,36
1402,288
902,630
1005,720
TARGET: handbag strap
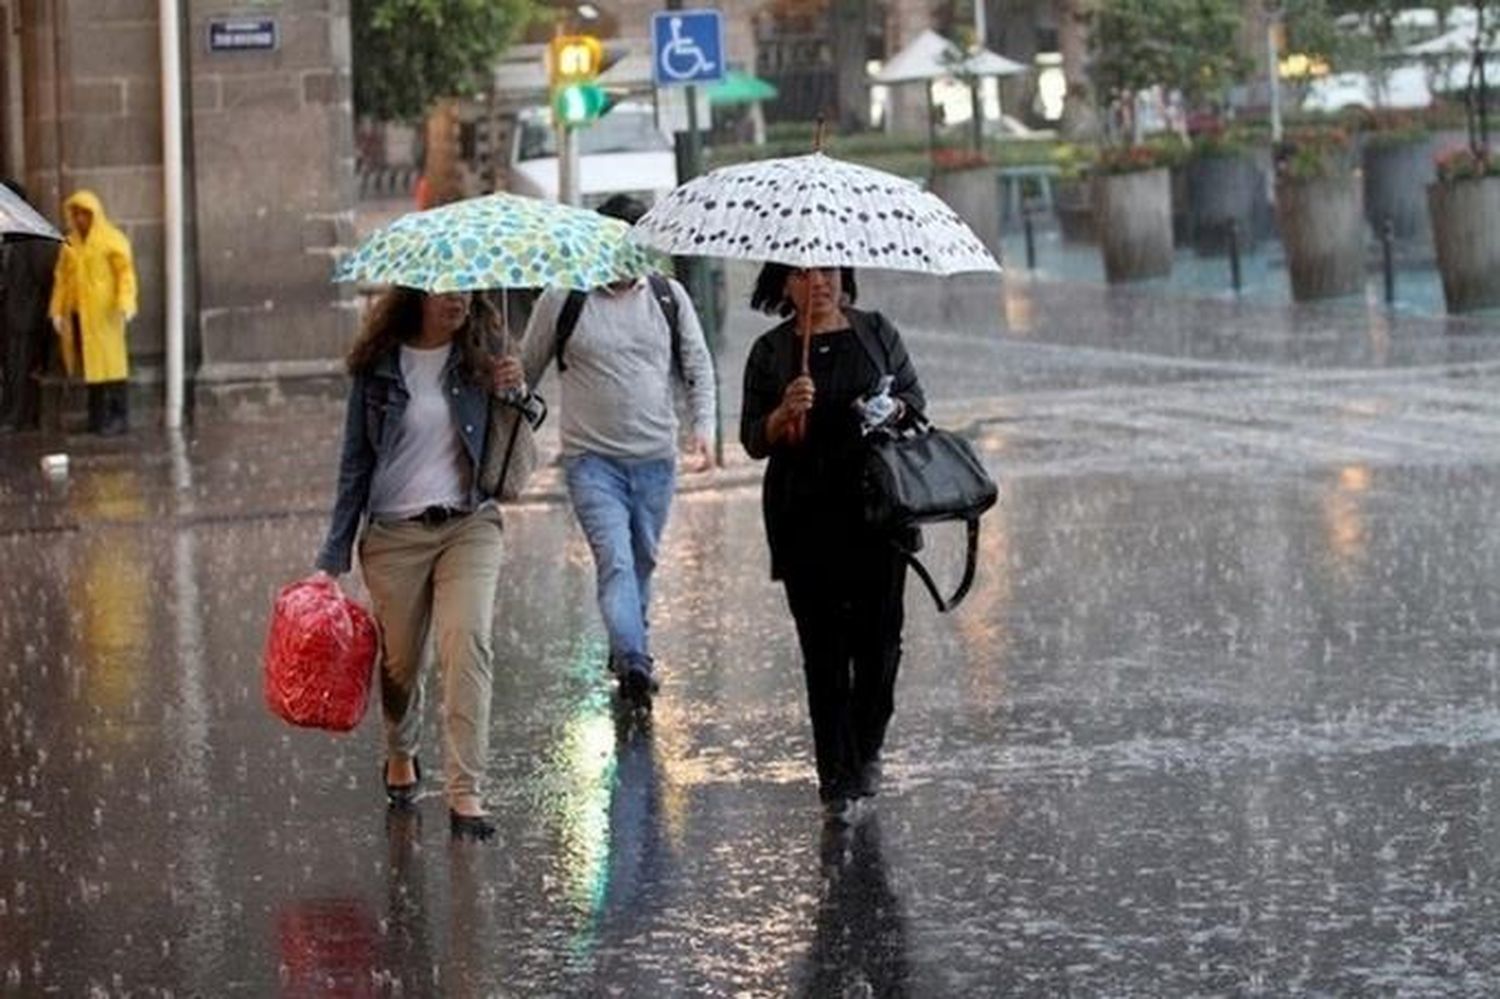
x,y
970,562
510,450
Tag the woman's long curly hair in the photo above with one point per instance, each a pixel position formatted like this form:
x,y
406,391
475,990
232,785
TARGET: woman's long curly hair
x,y
396,318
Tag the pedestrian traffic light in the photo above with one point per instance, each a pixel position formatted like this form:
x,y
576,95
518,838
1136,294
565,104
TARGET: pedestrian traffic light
x,y
578,103
573,59
573,65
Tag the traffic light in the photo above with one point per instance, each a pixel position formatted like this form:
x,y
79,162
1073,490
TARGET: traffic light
x,y
573,66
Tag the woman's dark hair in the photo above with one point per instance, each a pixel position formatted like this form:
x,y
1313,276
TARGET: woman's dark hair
x,y
770,289
396,318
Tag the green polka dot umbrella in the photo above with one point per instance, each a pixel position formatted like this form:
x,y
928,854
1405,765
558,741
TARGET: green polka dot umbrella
x,y
498,241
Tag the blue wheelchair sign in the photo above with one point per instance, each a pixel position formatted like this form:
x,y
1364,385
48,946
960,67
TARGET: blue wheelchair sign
x,y
687,46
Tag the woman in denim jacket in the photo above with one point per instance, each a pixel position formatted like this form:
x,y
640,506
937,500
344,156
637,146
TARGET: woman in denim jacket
x,y
430,548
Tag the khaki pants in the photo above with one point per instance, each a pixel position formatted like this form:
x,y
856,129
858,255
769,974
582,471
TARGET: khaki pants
x,y
437,582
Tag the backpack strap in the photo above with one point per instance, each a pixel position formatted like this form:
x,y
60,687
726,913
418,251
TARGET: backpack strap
x,y
567,321
661,289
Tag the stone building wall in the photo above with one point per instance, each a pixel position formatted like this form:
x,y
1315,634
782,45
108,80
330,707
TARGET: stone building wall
x,y
272,145
269,175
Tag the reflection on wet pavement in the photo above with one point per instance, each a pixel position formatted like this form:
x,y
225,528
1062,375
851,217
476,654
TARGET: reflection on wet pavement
x,y
1220,716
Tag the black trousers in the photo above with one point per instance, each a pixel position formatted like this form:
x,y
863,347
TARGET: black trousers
x,y
848,605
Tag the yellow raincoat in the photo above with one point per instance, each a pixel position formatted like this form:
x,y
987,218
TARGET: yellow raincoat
x,y
95,279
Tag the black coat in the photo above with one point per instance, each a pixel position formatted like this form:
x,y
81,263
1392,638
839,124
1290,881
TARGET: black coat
x,y
811,494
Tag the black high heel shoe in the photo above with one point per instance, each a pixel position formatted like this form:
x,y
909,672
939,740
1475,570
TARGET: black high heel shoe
x,y
476,827
402,795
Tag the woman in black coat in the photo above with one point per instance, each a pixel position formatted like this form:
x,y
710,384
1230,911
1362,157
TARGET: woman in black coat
x,y
844,583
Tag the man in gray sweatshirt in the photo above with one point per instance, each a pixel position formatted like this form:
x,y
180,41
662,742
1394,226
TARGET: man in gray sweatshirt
x,y
619,362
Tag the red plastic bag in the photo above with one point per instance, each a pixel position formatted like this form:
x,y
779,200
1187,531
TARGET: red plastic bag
x,y
320,656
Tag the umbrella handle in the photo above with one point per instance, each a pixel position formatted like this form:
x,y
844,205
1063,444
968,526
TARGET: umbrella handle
x,y
804,330
796,430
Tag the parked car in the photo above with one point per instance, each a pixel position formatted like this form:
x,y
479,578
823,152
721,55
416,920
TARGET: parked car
x,y
623,152
1404,87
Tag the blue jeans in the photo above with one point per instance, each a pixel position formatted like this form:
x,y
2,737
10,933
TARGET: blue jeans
x,y
622,506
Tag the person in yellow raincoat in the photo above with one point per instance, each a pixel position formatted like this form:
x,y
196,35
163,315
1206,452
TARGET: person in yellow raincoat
x,y
93,297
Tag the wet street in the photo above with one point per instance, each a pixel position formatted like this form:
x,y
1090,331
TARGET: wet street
x,y
1219,717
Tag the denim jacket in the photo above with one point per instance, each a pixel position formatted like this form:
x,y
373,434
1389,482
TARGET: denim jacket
x,y
377,402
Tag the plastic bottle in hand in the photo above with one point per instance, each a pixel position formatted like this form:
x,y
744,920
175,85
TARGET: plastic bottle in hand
x,y
878,408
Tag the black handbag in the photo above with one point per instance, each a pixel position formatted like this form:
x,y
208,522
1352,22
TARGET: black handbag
x,y
923,475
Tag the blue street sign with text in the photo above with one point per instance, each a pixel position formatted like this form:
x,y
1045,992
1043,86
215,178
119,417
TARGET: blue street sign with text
x,y
687,46
243,35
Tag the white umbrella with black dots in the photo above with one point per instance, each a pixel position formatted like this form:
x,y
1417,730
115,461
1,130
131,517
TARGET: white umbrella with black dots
x,y
813,211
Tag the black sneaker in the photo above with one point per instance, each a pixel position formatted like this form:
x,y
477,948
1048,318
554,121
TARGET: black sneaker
x,y
870,776
636,688
840,813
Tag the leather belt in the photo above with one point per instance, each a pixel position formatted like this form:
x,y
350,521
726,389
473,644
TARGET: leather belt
x,y
437,516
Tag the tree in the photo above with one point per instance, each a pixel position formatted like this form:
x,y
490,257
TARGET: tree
x,y
1190,46
1078,119
408,53
849,26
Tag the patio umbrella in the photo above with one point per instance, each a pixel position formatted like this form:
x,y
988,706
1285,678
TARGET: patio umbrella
x,y
498,241
741,88
17,218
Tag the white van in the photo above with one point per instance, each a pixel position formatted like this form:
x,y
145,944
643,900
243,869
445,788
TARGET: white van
x,y
621,153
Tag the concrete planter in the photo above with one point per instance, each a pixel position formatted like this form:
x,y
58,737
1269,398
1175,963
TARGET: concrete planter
x,y
1323,233
1466,235
1074,204
974,195
1221,190
1133,214
1396,179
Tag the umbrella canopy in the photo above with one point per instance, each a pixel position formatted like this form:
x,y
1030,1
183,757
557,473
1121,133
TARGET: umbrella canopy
x,y
17,218
741,88
813,211
930,56
498,241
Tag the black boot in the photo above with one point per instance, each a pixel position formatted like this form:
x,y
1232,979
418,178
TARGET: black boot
x,y
116,409
98,406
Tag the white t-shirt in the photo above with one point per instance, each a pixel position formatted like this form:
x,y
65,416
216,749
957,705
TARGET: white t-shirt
x,y
425,465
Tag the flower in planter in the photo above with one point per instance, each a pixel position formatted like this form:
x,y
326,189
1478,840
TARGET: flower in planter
x,y
1466,163
1218,140
958,159
1388,127
1315,153
1164,152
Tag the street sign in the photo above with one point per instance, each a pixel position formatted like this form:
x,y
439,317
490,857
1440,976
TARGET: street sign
x,y
687,46
242,34
672,108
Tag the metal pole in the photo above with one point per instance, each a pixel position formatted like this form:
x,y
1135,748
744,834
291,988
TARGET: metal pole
x,y
567,165
695,145
1030,235
976,101
1234,254
1387,259
172,201
699,284
1273,69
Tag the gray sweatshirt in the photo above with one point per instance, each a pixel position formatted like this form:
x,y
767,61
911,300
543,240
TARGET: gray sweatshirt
x,y
617,393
